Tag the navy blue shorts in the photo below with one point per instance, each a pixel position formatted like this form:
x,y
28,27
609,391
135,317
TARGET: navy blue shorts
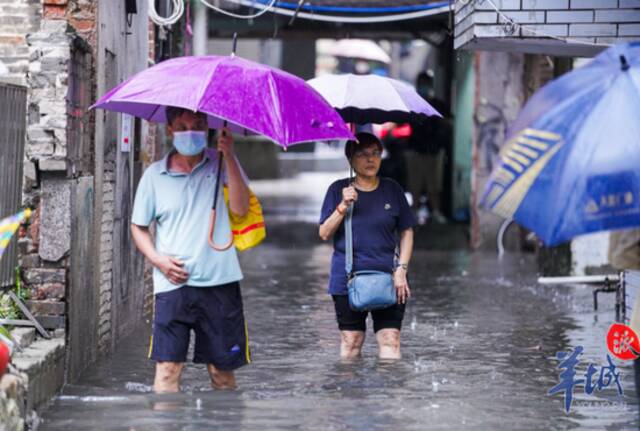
x,y
214,314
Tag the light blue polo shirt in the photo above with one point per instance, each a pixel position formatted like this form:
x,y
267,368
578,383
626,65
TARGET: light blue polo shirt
x,y
180,204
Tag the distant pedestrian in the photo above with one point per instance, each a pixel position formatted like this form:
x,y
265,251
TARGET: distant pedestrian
x,y
395,140
382,222
196,287
425,157
425,164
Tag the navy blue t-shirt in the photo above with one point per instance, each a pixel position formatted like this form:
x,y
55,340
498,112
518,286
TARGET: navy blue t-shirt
x,y
378,217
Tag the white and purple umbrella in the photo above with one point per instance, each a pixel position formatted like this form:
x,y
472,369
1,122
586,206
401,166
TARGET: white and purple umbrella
x,y
363,99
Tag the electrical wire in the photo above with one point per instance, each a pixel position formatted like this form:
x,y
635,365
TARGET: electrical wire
x,y
347,19
355,9
178,10
264,9
516,25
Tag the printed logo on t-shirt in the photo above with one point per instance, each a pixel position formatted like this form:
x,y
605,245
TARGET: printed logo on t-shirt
x,y
387,206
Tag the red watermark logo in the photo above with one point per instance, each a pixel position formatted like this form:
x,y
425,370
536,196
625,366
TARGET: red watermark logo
x,y
623,342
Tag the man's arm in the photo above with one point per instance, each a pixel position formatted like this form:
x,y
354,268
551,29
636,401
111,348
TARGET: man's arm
x,y
238,190
169,266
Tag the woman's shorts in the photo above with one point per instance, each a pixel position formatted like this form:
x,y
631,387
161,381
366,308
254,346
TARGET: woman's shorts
x,y
350,320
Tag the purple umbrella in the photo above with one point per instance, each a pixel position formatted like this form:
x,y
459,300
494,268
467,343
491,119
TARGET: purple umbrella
x,y
249,97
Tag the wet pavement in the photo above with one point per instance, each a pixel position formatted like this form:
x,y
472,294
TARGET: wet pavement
x,y
479,344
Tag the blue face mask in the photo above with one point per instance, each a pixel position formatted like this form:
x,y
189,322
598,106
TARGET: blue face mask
x,y
190,143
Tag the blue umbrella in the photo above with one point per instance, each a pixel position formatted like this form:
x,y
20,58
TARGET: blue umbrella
x,y
572,161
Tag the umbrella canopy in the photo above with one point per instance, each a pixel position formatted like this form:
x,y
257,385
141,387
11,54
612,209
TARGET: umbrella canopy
x,y
251,97
354,48
572,162
365,99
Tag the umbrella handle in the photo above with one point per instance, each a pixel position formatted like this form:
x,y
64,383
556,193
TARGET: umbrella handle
x,y
235,42
212,223
212,218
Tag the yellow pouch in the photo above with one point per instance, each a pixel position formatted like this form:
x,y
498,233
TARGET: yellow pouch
x,y
248,231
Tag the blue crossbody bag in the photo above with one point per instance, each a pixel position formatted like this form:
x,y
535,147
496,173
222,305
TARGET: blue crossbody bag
x,y
368,290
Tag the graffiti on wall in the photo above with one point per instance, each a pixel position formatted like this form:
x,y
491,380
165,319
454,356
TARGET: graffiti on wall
x,y
491,126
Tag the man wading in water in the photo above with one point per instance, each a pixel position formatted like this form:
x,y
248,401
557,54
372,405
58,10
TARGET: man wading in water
x,y
196,287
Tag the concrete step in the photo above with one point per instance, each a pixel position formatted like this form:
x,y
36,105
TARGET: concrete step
x,y
43,363
24,336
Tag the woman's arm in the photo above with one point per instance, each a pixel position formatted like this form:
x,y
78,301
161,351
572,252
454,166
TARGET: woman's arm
x,y
400,274
332,223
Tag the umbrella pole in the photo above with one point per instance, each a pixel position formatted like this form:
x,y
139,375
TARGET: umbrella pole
x,y
352,126
212,218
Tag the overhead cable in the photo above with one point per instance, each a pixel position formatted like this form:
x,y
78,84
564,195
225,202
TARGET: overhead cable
x,y
347,19
264,9
356,9
425,11
178,10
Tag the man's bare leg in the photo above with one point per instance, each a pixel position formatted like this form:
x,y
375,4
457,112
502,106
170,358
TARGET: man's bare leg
x,y
388,343
167,378
221,379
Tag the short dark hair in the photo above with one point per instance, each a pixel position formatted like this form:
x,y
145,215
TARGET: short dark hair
x,y
363,140
174,112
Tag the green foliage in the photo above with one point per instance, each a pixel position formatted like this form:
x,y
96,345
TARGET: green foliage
x,y
8,309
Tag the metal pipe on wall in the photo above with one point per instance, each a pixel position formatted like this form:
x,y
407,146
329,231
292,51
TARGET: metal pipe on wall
x,y
199,28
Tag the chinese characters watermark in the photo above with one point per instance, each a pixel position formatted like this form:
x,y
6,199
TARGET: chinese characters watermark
x,y
594,379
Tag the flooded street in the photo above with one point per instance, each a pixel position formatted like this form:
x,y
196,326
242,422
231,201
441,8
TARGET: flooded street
x,y
479,342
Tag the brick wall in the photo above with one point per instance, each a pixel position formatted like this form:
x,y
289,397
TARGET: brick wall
x,y
106,250
151,151
45,260
36,41
35,46
17,19
479,26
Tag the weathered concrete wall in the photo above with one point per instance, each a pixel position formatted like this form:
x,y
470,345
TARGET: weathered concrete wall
x,y
12,398
463,136
499,95
82,299
589,254
121,51
34,376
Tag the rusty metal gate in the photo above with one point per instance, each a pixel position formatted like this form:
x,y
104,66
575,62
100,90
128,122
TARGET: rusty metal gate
x,y
13,108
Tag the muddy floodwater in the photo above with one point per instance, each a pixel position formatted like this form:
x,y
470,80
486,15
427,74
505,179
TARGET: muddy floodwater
x,y
479,346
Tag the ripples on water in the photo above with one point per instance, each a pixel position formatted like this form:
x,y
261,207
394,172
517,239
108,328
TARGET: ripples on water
x,y
479,344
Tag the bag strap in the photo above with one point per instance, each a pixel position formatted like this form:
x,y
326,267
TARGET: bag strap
x,y
349,241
